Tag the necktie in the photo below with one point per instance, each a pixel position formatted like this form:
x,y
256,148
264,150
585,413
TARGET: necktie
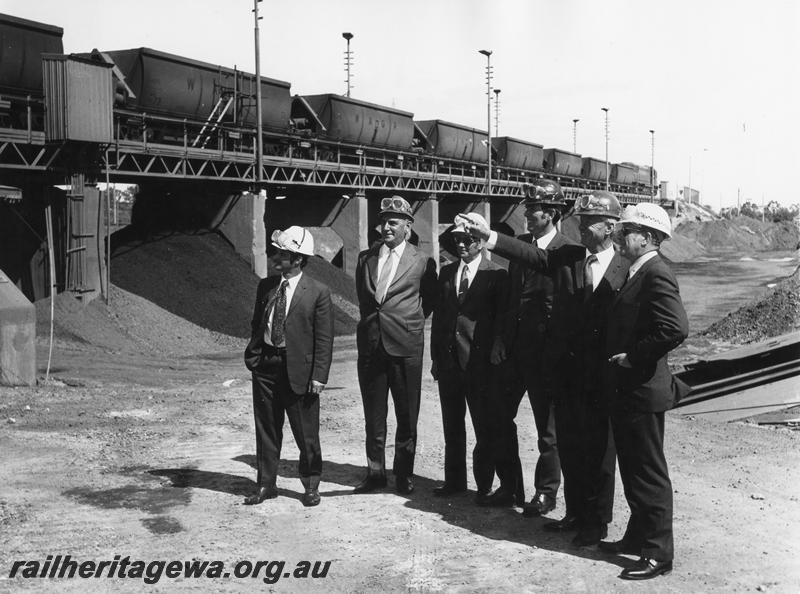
x,y
383,280
463,285
588,277
279,317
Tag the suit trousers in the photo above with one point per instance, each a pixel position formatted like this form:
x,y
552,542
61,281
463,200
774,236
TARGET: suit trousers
x,y
273,399
524,372
645,478
378,373
586,447
458,390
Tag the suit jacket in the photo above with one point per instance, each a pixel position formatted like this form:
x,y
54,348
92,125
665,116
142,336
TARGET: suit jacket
x,y
577,324
462,333
309,331
529,318
397,323
646,321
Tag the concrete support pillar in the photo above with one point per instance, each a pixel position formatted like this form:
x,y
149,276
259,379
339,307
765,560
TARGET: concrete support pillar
x,y
352,225
243,225
17,336
426,226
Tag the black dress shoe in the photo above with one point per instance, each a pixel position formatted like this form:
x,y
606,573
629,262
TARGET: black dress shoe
x,y
447,490
646,568
500,498
311,498
260,495
565,524
370,483
619,547
404,485
589,537
540,505
482,498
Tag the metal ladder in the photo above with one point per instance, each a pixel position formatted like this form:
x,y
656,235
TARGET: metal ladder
x,y
212,123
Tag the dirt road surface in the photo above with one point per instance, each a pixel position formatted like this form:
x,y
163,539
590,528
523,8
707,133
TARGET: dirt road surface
x,y
149,457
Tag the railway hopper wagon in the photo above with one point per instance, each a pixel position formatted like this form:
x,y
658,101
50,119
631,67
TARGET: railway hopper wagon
x,y
168,89
335,121
22,43
560,162
512,153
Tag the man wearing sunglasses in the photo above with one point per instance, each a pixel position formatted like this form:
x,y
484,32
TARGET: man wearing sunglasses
x,y
646,321
472,297
585,447
289,355
396,287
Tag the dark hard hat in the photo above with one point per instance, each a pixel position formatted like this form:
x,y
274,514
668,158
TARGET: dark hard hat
x,y
598,203
545,192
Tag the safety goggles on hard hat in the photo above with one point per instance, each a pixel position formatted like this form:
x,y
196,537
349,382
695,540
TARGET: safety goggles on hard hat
x,y
282,239
394,203
589,202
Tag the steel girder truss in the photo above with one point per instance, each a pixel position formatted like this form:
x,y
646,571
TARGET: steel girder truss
x,y
130,159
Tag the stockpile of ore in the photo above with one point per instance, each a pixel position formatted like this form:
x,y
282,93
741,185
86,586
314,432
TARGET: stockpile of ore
x,y
199,277
776,314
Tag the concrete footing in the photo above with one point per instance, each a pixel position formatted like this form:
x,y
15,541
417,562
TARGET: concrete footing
x,y
17,336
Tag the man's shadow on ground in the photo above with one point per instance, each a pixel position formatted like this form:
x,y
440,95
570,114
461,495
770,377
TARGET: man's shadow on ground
x,y
502,524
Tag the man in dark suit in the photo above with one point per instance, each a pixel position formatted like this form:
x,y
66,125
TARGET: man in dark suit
x,y
289,355
528,350
646,321
585,445
471,298
396,287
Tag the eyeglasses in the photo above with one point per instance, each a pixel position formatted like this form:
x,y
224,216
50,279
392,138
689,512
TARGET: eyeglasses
x,y
394,203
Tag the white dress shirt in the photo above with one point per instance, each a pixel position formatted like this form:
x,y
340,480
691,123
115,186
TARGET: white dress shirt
x,y
383,256
290,288
472,269
637,265
543,241
600,265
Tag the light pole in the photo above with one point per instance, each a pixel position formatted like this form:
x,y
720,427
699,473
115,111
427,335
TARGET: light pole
x,y
488,54
652,165
497,112
605,109
348,59
259,140
575,135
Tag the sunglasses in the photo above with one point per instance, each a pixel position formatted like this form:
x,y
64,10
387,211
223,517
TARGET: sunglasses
x,y
463,238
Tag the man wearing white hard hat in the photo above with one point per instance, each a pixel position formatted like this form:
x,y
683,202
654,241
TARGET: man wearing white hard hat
x,y
289,355
467,317
646,320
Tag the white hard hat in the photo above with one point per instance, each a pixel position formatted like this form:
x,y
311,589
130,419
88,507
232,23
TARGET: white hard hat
x,y
473,217
647,215
294,239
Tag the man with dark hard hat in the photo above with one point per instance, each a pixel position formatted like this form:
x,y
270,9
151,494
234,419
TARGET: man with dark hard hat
x,y
396,286
646,321
585,446
529,349
470,304
289,355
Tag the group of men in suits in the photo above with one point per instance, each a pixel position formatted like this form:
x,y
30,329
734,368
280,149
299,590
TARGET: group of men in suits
x,y
615,313
583,329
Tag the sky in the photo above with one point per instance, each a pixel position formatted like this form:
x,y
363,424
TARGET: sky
x,y
717,80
